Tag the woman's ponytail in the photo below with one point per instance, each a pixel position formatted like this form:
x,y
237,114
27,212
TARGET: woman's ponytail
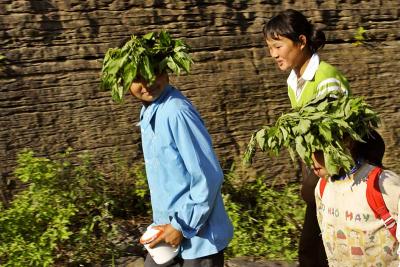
x,y
317,40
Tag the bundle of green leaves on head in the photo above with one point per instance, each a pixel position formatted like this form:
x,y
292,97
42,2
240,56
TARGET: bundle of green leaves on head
x,y
321,125
147,56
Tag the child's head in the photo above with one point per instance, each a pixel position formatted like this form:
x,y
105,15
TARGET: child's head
x,y
146,92
319,164
370,151
142,60
291,38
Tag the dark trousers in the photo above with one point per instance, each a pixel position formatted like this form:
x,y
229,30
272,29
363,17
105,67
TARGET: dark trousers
x,y
215,260
311,248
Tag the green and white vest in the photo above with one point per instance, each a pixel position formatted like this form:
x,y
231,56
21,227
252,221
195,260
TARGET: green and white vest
x,y
326,79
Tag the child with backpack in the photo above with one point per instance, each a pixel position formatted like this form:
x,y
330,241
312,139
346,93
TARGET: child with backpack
x,y
358,211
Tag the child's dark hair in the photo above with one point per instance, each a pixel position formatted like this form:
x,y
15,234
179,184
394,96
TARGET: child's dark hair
x,y
372,151
291,24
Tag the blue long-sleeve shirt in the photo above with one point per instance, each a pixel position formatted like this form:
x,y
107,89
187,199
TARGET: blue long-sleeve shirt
x,y
184,174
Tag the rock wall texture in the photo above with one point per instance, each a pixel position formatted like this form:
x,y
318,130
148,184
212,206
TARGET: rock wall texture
x,y
49,83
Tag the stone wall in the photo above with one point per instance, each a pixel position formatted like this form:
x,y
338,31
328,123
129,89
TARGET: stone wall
x,y
49,85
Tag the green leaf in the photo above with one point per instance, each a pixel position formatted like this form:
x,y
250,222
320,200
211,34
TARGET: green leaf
x,y
360,36
165,39
114,66
330,165
300,148
129,74
310,140
291,153
303,127
117,93
325,131
173,66
146,69
180,46
285,133
148,36
322,106
308,109
260,138
250,150
183,60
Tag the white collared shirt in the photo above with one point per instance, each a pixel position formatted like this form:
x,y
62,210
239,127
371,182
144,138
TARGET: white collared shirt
x,y
297,83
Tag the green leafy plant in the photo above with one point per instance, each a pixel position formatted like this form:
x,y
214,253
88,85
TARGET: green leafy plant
x,y
62,216
127,187
360,36
69,213
146,56
320,125
267,218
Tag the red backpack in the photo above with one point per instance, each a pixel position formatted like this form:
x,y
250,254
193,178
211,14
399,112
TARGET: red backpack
x,y
375,200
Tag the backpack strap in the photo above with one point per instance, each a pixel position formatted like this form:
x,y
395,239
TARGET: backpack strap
x,y
377,203
322,184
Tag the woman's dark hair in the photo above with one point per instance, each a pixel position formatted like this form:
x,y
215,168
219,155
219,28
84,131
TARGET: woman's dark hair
x,y
291,24
372,151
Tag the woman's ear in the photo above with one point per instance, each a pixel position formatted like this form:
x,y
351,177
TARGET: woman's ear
x,y
303,41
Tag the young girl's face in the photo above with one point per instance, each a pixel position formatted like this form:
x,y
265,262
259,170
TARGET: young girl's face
x,y
319,164
287,54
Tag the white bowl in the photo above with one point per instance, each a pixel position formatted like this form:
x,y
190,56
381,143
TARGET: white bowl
x,y
162,252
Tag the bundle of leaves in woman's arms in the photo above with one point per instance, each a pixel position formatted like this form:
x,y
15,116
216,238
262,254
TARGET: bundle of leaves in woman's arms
x,y
320,125
146,56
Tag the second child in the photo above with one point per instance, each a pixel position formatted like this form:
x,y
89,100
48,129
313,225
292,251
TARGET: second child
x,y
352,234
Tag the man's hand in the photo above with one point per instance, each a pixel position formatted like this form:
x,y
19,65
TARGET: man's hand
x,y
169,235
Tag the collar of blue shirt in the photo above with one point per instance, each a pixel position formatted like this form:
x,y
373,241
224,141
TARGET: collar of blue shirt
x,y
147,113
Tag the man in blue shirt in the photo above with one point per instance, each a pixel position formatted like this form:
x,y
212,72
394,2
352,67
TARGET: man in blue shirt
x,y
184,176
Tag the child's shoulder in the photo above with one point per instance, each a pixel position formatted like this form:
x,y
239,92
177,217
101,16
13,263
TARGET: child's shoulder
x,y
389,183
176,100
177,104
390,178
